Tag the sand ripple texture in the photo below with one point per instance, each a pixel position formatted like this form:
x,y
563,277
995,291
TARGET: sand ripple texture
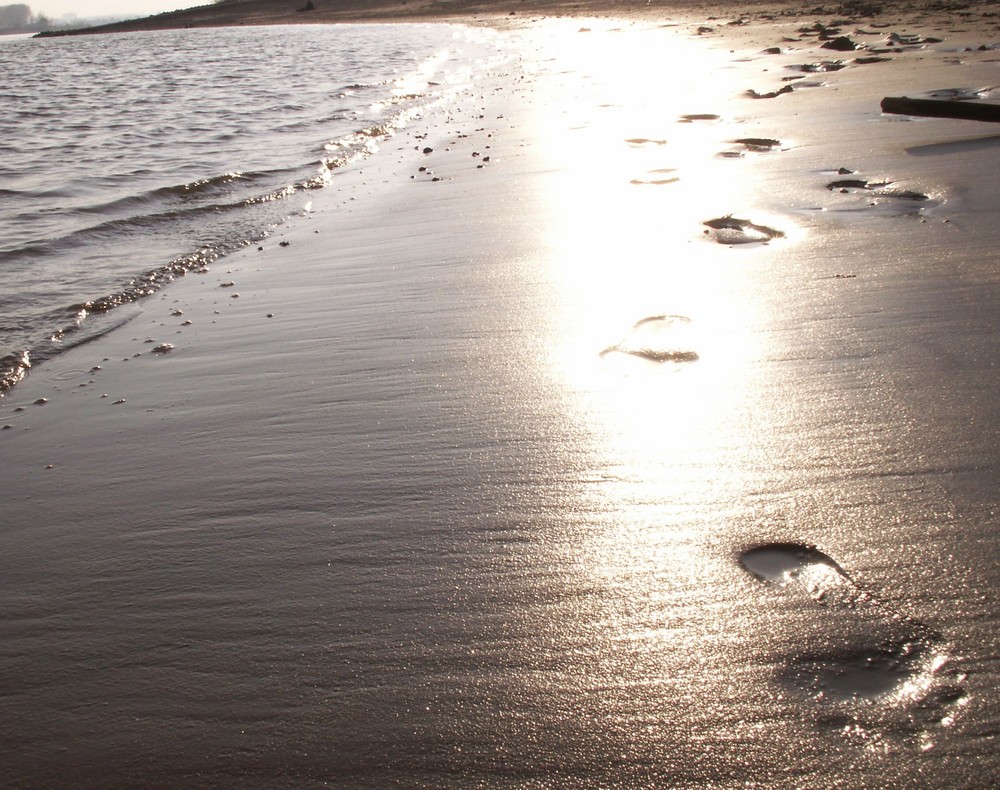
x,y
129,160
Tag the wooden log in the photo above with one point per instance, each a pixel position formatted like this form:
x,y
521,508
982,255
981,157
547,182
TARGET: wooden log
x,y
935,108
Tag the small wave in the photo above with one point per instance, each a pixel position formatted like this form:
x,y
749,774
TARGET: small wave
x,y
364,142
185,192
125,226
153,280
13,368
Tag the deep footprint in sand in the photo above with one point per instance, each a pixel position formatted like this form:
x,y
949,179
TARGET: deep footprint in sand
x,y
658,339
755,145
883,196
698,116
879,663
733,230
822,67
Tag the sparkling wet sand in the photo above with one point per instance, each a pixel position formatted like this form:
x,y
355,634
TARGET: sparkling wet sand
x,y
497,468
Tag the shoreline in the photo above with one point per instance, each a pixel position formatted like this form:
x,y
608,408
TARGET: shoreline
x,y
285,12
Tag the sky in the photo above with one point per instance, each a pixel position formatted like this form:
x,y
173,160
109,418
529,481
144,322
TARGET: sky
x,y
94,8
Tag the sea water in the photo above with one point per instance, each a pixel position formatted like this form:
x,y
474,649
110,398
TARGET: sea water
x,y
128,160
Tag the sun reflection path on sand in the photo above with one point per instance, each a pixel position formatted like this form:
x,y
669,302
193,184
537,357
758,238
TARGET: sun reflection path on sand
x,y
631,274
671,407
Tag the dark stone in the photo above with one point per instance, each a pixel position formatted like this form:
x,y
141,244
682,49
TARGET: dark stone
x,y
841,44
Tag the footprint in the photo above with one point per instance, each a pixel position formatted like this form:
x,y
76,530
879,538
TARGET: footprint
x,y
658,338
658,177
698,117
963,94
883,666
757,145
732,230
885,198
822,66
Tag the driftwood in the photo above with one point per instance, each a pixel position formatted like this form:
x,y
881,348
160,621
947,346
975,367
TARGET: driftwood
x,y
935,108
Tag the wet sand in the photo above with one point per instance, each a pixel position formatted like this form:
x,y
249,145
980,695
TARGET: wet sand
x,y
795,295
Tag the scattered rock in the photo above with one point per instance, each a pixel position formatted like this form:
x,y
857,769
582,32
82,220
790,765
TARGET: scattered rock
x,y
772,95
840,44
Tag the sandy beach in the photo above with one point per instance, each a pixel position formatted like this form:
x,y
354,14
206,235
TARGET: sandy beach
x,y
628,420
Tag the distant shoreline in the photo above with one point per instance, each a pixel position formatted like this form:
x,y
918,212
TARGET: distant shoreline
x,y
286,12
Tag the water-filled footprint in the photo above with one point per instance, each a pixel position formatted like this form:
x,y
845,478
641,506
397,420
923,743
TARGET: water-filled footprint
x,y
757,145
881,197
880,664
658,338
732,230
658,177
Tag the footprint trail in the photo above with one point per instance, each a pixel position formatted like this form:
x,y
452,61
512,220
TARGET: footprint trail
x,y
884,669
